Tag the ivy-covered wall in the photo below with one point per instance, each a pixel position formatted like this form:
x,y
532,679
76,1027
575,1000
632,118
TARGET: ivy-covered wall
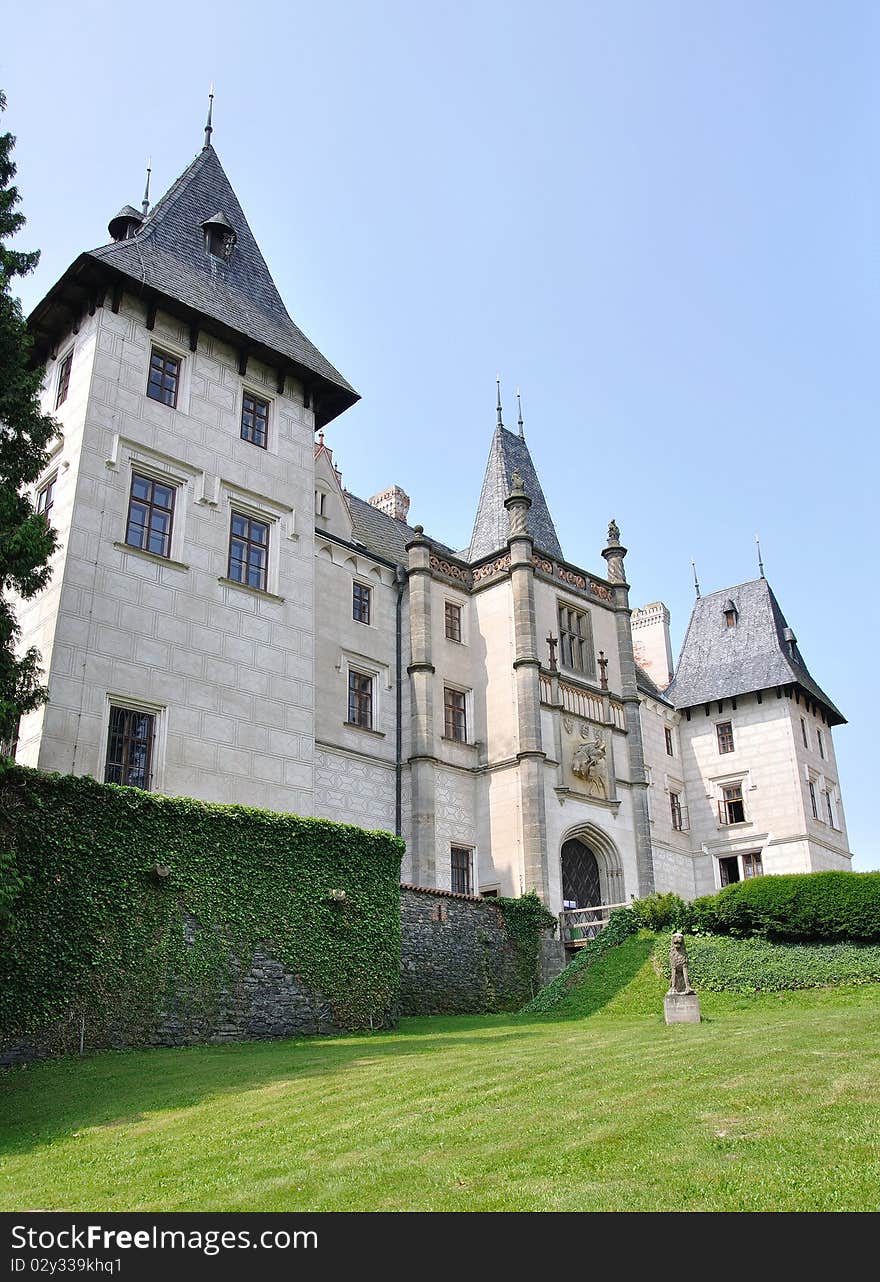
x,y
129,918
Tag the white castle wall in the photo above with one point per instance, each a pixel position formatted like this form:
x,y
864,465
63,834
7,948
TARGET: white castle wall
x,y
227,670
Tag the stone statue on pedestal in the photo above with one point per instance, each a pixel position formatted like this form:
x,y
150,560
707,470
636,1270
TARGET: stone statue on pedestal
x,y
681,1004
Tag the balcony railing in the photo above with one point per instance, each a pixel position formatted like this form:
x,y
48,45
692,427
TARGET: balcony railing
x,y
577,926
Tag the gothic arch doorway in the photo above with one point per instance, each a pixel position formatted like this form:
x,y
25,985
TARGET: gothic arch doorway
x,y
581,884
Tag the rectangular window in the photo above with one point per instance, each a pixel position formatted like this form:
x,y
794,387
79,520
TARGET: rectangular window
x,y
821,744
806,737
46,499
360,699
677,814
130,747
724,731
455,715
164,377
254,420
576,641
360,602
248,551
320,500
752,866
813,803
63,379
453,621
829,806
461,870
150,515
732,808
668,733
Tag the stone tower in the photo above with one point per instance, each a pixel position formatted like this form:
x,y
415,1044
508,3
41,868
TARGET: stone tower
x,y
177,634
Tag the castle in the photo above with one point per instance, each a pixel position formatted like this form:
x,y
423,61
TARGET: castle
x,y
226,621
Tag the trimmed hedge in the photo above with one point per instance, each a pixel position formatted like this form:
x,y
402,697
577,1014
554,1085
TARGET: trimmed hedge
x,y
621,924
721,964
817,906
91,931
657,912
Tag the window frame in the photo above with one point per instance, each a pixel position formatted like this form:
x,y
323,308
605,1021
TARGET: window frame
x,y
62,386
455,715
725,802
457,614
48,489
166,355
150,769
814,804
747,865
366,593
236,512
586,650
721,739
676,811
355,696
257,399
151,506
457,848
670,743
821,744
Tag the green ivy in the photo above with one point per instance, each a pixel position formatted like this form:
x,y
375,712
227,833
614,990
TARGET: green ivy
x,y
525,919
621,924
722,964
91,933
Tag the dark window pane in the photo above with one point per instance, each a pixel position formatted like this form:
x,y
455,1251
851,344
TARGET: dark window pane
x,y
63,379
461,870
150,516
129,747
164,377
248,551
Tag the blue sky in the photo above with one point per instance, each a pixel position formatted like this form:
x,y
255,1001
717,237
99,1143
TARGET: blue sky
x,y
658,220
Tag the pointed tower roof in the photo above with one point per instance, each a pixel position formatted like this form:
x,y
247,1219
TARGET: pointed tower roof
x,y
167,263
508,454
760,651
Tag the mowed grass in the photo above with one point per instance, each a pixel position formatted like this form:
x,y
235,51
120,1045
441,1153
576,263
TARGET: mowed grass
x,y
769,1104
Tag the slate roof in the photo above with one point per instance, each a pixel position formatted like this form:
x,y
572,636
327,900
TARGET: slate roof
x,y
718,662
168,259
508,454
383,534
647,686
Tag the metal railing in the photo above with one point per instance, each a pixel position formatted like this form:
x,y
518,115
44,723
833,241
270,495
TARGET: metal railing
x,y
577,926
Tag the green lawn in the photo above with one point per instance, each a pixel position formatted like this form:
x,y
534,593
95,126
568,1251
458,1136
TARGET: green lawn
x,y
769,1104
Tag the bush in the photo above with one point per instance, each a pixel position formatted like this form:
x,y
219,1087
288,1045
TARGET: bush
x,y
621,924
103,883
818,906
721,964
660,912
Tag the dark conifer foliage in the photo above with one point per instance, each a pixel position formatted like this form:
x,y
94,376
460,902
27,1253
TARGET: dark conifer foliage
x,y
26,538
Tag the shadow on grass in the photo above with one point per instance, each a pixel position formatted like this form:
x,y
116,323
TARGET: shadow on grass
x,y
622,978
55,1099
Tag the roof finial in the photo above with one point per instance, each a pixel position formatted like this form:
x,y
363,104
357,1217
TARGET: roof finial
x,y
696,580
519,418
209,129
498,407
145,203
760,562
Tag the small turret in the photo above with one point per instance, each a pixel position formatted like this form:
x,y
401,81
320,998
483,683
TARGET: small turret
x,y
126,224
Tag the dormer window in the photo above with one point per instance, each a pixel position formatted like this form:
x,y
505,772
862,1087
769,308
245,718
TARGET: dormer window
x,y
730,613
219,237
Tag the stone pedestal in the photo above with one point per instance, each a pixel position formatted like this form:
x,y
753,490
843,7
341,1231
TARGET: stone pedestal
x,y
681,1008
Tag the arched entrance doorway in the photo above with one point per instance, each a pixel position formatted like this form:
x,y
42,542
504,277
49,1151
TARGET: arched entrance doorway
x,y
581,886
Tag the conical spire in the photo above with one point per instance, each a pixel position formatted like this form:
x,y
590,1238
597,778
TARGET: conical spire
x,y
509,454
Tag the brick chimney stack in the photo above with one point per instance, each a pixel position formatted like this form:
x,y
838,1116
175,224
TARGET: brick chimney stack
x,y
393,501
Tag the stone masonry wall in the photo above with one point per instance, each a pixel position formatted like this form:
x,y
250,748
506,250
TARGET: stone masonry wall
x,y
457,957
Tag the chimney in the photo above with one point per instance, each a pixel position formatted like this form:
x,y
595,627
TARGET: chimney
x,y
393,502
651,643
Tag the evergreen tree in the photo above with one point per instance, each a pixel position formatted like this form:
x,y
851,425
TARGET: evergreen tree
x,y
26,538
